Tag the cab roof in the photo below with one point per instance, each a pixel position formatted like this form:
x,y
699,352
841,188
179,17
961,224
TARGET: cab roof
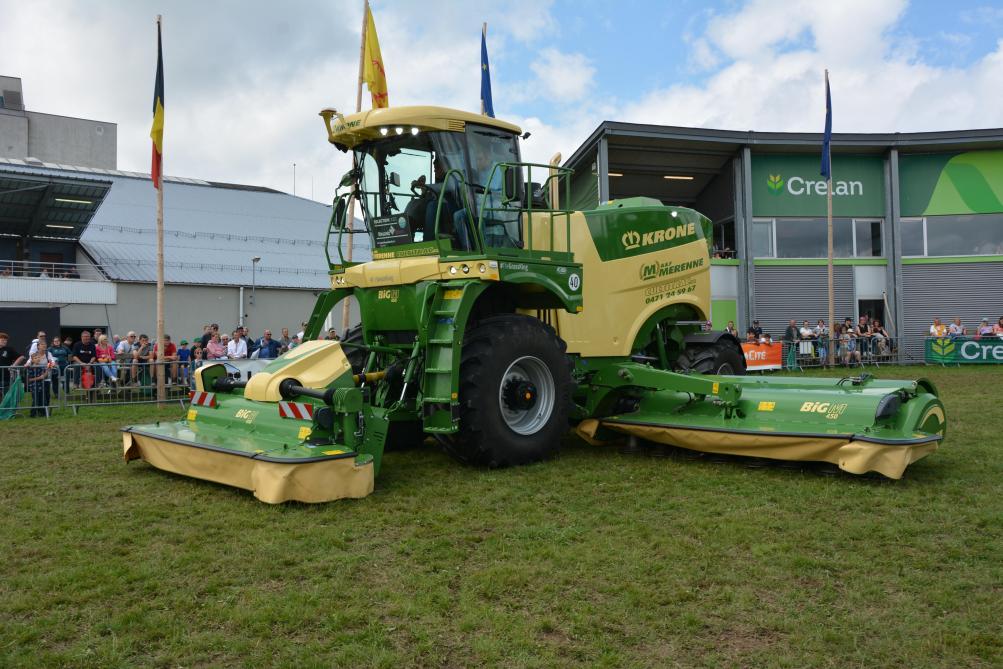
x,y
346,132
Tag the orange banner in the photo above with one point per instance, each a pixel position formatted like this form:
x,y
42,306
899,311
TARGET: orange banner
x,y
763,356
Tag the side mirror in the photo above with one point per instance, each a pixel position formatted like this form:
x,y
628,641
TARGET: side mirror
x,y
511,183
395,179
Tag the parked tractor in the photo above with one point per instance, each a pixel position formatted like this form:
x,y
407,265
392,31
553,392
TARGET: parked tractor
x,y
494,320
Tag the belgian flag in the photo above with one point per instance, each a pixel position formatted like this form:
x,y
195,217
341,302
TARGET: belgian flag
x,y
157,131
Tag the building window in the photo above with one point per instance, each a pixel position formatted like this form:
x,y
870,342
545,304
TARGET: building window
x,y
808,238
964,235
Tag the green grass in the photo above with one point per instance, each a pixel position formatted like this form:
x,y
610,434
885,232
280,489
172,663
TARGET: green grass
x,y
593,559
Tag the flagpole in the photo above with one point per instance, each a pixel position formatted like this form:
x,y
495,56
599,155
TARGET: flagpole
x,y
345,309
484,37
828,266
161,391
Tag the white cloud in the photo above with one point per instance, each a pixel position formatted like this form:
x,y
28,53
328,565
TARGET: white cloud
x,y
877,86
563,77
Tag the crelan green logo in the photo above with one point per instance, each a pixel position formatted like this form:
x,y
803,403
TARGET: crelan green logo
x,y
942,350
775,183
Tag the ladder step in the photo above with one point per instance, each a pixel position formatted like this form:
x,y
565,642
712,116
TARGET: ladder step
x,y
436,400
441,430
444,312
440,341
438,370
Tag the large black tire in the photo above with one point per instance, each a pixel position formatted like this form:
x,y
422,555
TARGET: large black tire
x,y
356,356
515,392
721,357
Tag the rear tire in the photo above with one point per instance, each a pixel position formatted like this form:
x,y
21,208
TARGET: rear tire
x,y
722,357
515,393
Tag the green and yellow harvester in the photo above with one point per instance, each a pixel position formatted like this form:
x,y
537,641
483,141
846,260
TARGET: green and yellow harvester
x,y
495,321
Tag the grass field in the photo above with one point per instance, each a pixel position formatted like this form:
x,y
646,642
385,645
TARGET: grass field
x,y
593,559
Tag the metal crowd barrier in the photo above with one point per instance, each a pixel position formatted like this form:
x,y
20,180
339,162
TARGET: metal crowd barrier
x,y
855,352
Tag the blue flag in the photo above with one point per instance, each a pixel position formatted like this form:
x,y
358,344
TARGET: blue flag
x,y
826,170
488,106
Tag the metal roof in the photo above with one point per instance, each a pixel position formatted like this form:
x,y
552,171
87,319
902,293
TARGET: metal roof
x,y
46,205
211,231
677,164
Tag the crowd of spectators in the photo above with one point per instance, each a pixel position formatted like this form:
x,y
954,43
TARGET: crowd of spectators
x,y
955,329
867,338
100,361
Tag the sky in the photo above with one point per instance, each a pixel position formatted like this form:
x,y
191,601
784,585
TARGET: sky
x,y
244,81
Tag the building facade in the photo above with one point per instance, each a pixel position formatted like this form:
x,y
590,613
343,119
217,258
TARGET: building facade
x,y
917,219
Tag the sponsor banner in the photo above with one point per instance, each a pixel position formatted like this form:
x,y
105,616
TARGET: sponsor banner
x,y
939,184
763,356
791,186
964,350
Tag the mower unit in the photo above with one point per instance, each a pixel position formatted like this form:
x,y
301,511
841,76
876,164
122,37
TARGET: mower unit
x,y
480,330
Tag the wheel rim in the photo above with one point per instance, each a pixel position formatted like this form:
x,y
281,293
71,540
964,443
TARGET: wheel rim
x,y
725,368
532,370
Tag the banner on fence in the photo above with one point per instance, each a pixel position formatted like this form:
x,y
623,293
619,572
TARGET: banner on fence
x,y
964,350
763,356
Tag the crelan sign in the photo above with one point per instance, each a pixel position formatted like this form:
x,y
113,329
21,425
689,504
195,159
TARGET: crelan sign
x,y
799,186
960,350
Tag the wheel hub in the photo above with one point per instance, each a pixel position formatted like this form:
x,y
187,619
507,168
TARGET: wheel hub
x,y
519,395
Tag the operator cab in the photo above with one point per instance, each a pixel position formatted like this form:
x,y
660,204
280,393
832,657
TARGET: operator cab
x,y
442,187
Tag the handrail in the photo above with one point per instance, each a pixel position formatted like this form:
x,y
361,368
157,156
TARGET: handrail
x,y
50,270
475,231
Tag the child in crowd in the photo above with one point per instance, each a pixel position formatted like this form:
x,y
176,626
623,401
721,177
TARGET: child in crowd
x,y
40,365
184,362
61,354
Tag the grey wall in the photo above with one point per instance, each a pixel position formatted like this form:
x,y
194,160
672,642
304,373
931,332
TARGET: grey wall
x,y
188,308
13,134
72,141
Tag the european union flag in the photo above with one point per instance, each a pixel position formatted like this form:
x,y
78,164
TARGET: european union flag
x,y
827,138
486,104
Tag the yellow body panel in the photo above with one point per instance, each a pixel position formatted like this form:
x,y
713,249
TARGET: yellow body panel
x,y
405,271
271,482
617,302
349,131
315,364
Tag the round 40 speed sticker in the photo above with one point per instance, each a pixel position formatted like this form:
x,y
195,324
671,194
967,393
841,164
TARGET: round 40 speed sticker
x,y
574,282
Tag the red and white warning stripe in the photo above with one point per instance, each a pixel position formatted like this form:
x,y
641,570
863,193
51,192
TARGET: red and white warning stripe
x,y
202,399
297,410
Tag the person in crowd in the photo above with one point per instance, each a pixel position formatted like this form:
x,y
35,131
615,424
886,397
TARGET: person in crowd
x,y
34,342
302,331
730,329
267,347
39,370
767,339
758,330
184,362
790,340
97,335
105,355
806,333
751,337
984,328
208,335
236,349
880,339
215,349
123,355
285,340
863,333
83,353
141,358
61,354
332,335
956,329
821,332
224,341
937,329
848,346
167,364
9,357
998,328
294,342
